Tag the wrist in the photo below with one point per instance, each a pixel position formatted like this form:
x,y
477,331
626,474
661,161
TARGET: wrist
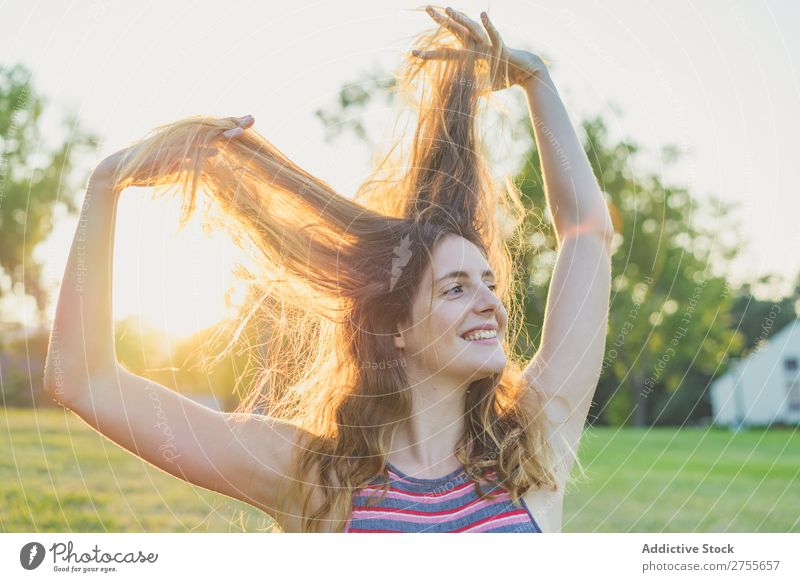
x,y
99,181
537,81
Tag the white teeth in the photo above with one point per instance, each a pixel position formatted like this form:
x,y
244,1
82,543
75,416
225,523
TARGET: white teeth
x,y
482,334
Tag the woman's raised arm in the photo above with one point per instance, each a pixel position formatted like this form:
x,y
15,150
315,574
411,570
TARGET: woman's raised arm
x,y
243,456
569,356
568,362
82,338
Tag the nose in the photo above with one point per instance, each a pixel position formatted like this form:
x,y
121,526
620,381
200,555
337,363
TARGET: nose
x,y
486,299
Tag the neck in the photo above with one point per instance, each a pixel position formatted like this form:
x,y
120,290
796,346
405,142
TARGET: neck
x,y
428,438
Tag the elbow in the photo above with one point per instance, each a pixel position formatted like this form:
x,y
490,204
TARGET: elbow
x,y
57,386
605,229
54,379
598,229
607,236
63,385
68,371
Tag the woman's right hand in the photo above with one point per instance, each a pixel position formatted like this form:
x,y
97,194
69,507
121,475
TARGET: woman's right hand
x,y
164,162
508,66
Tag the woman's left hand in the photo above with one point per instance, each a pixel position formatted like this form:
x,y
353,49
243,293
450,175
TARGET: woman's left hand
x,y
507,66
151,169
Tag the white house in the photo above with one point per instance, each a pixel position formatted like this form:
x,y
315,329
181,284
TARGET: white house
x,y
763,387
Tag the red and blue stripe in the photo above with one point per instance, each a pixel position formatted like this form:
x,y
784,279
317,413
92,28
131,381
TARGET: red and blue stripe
x,y
445,504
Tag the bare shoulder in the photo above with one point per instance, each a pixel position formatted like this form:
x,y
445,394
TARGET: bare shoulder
x,y
269,449
546,505
563,427
547,508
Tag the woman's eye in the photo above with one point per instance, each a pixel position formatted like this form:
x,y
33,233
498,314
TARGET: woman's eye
x,y
491,286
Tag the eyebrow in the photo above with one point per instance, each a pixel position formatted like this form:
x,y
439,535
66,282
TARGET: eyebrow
x,y
459,274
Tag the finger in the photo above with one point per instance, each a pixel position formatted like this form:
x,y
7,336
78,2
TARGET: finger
x,y
160,156
231,133
246,121
494,36
201,157
473,27
437,54
450,24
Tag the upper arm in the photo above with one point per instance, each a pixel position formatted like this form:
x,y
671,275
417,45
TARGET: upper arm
x,y
243,456
568,362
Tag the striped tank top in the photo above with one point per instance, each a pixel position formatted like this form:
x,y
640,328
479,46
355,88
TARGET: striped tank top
x,y
445,504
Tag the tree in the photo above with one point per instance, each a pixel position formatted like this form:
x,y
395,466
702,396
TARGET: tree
x,y
758,319
670,327
669,324
32,182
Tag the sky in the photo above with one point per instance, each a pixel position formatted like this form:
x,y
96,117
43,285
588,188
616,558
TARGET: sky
x,y
718,79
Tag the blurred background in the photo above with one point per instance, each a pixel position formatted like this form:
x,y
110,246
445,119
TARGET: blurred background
x,y
688,113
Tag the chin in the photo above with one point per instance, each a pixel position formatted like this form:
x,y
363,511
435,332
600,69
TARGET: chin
x,y
491,367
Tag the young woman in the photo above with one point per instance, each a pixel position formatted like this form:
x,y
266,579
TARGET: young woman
x,y
394,401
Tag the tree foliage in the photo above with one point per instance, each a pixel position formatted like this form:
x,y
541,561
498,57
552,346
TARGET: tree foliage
x,y
32,181
670,328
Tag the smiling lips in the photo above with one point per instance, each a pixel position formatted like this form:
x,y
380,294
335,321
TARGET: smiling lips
x,y
484,336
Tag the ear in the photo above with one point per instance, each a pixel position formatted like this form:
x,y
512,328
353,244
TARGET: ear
x,y
399,342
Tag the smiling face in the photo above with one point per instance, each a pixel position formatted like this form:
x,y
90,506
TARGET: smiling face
x,y
455,295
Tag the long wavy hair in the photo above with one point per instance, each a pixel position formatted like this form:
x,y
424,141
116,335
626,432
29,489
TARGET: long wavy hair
x,y
330,277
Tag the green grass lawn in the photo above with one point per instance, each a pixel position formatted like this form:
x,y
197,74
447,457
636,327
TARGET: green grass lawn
x,y
686,480
57,474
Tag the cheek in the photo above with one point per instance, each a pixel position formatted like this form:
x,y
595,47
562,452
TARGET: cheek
x,y
436,331
423,334
446,322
